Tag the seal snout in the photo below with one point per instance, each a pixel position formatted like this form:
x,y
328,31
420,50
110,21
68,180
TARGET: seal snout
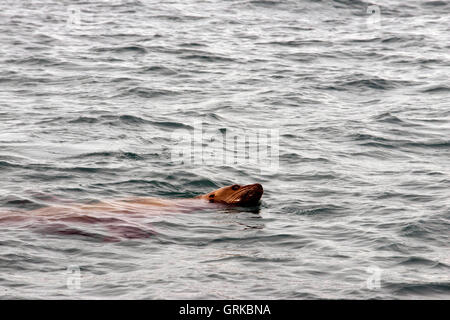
x,y
253,195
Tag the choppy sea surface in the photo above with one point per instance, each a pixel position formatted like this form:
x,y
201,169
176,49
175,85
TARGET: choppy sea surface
x,y
91,93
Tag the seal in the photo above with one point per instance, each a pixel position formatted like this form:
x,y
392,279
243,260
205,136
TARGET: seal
x,y
123,218
234,195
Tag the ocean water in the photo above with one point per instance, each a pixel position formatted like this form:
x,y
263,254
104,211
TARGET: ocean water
x,y
356,93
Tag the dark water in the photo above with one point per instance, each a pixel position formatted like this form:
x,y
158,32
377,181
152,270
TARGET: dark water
x,y
91,92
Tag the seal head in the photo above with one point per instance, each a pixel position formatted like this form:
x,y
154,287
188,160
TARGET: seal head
x,y
236,194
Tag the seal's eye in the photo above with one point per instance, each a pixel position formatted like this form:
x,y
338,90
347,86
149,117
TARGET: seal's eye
x,y
235,187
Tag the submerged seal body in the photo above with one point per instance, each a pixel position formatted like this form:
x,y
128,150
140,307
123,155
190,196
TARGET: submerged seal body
x,y
124,218
234,195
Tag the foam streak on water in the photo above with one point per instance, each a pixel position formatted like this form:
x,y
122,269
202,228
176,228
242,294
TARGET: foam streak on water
x,y
91,92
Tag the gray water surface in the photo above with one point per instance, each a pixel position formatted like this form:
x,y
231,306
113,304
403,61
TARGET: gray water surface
x,y
91,93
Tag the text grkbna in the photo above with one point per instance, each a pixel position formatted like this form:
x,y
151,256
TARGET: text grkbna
x,y
246,309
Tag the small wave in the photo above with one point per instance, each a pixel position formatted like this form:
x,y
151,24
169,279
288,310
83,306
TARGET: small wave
x,y
376,141
437,89
425,288
171,125
84,120
391,246
148,92
206,57
298,43
6,164
106,154
324,210
295,158
389,118
423,61
47,177
350,3
33,61
213,116
130,119
159,70
125,49
401,39
179,17
365,137
127,4
50,120
202,183
252,258
20,203
414,260
387,195
265,3
160,186
371,83
423,229
378,145
192,44
433,145
142,181
434,3
82,169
